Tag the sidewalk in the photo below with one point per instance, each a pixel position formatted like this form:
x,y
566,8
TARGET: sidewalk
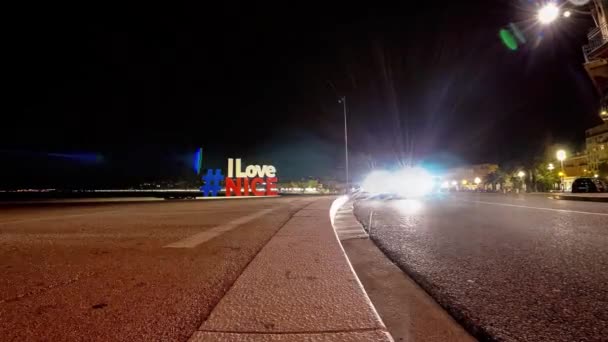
x,y
300,287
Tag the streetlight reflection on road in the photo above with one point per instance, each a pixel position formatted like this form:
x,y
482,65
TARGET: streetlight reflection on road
x,y
408,206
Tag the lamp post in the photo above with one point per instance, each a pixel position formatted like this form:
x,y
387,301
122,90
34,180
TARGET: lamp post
x,y
550,167
343,101
561,156
521,175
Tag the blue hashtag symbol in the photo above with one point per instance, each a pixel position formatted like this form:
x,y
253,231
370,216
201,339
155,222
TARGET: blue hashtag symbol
x,y
212,182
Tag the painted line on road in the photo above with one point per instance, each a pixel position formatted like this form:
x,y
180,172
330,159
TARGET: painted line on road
x,y
197,239
538,208
58,217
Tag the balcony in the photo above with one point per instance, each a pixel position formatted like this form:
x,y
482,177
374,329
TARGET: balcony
x,y
597,39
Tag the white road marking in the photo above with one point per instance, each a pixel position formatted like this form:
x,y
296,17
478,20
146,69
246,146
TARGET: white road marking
x,y
197,239
59,217
538,208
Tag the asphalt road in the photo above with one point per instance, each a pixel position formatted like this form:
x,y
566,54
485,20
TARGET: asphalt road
x,y
509,268
104,272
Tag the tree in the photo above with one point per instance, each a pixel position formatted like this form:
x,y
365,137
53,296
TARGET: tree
x,y
496,177
545,179
312,183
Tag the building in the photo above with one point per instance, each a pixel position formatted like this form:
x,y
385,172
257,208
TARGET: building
x,y
596,65
596,54
596,141
575,166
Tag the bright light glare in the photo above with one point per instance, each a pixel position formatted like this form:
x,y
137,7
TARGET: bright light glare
x,y
408,206
561,155
548,13
413,182
378,182
477,180
408,182
567,14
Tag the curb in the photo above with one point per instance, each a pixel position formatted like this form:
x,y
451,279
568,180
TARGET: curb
x,y
579,198
341,203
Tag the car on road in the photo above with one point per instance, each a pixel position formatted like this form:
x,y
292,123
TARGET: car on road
x,y
589,185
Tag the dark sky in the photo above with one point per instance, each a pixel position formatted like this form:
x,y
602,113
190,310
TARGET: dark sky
x,y
427,79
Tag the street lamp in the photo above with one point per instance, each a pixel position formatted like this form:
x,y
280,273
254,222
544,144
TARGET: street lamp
x,y
477,180
596,175
548,13
551,167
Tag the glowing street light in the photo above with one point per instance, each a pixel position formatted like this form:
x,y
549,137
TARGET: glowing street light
x,y
567,14
477,180
561,156
521,174
596,175
548,13
551,167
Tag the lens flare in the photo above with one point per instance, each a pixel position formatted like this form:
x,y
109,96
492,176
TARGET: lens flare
x,y
548,13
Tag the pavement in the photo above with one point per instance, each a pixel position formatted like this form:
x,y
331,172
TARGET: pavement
x,y
508,268
253,270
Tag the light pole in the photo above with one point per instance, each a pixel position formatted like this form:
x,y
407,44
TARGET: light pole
x,y
343,101
550,167
561,156
521,175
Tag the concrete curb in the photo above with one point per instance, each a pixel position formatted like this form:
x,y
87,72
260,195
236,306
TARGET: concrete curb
x,y
579,198
300,287
568,196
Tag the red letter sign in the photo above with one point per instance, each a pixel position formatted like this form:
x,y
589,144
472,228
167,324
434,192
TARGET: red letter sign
x,y
271,189
230,187
254,189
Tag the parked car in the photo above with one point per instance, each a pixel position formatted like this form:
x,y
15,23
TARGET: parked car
x,y
589,185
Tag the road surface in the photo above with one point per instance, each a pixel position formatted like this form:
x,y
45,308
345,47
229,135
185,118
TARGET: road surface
x,y
126,271
510,268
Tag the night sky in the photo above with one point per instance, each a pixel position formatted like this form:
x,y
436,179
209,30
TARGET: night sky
x,y
115,96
